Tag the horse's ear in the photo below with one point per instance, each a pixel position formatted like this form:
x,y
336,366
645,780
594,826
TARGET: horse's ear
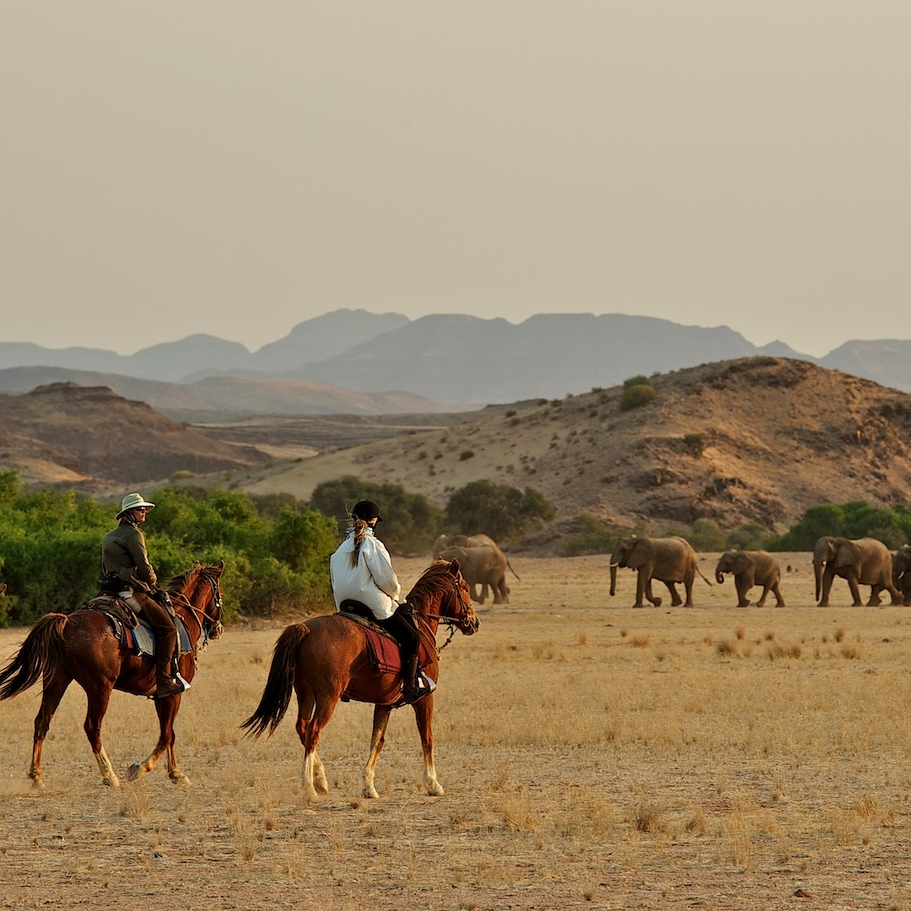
x,y
220,567
454,567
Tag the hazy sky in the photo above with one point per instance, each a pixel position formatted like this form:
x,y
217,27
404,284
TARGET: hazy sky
x,y
235,168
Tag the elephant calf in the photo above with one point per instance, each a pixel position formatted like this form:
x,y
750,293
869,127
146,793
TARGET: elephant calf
x,y
901,573
751,567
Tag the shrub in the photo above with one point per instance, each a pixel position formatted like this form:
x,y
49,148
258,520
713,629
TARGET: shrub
x,y
498,510
639,380
706,535
747,537
695,442
589,536
636,397
466,454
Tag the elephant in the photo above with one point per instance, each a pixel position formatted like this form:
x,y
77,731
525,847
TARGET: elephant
x,y
468,541
751,567
669,560
444,541
864,561
901,573
484,565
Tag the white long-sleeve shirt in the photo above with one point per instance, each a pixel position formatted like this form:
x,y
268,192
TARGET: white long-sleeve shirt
x,y
372,581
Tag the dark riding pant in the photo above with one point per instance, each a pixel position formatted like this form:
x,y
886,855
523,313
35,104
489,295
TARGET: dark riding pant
x,y
401,625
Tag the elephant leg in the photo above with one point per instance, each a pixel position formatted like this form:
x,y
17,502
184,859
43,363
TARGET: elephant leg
x,y
763,596
676,601
875,600
827,578
644,590
779,601
742,589
855,592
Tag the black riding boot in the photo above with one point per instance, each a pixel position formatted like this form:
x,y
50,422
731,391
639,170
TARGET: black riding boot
x,y
410,687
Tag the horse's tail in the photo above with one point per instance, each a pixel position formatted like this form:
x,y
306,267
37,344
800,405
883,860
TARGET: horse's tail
x,y
279,684
40,654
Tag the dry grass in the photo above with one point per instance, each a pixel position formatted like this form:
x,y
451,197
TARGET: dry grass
x,y
593,756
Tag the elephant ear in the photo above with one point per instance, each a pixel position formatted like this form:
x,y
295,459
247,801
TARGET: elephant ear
x,y
847,553
741,562
640,553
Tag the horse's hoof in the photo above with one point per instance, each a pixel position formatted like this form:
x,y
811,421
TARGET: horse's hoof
x,y
436,791
371,792
112,782
135,771
37,784
179,778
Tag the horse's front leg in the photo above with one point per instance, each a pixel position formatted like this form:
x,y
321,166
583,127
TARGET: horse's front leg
x,y
167,711
99,696
53,691
381,715
423,714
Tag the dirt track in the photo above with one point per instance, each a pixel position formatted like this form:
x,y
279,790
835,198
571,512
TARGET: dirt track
x,y
593,756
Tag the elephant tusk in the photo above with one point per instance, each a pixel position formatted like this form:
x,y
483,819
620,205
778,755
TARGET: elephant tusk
x,y
612,564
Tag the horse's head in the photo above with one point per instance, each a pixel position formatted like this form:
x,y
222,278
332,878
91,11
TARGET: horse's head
x,y
200,587
442,594
460,603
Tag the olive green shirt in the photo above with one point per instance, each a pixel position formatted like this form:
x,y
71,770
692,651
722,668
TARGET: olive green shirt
x,y
123,552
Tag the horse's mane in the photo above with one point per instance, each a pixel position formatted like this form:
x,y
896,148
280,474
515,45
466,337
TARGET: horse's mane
x,y
429,583
185,584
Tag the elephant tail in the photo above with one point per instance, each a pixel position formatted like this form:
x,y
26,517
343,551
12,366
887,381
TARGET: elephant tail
x,y
707,581
511,569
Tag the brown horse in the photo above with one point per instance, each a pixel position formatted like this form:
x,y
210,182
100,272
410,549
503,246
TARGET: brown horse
x,y
82,646
326,659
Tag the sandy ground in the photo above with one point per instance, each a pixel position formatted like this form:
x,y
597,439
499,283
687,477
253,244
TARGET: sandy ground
x,y
594,756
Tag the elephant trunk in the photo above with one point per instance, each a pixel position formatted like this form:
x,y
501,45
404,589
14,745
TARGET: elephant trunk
x,y
613,578
817,569
719,576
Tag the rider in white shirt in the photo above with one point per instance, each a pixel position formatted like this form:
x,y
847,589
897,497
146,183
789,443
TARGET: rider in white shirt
x,y
361,570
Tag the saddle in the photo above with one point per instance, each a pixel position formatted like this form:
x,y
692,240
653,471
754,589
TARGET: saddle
x,y
133,633
382,648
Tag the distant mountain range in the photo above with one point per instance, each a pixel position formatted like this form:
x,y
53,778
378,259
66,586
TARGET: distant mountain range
x,y
417,365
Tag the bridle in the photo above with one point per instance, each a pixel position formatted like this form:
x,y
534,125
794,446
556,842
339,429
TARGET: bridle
x,y
451,618
210,627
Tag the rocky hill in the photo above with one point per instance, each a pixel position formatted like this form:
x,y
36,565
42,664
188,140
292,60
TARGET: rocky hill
x,y
63,433
754,440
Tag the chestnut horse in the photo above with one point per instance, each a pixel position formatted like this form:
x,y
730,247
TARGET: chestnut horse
x,y
326,659
82,646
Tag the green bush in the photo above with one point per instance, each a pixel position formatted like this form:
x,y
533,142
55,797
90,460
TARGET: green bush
x,y
706,536
589,536
636,397
639,380
51,549
695,443
499,510
747,537
857,519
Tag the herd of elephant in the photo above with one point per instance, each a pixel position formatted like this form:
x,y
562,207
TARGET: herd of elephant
x,y
672,560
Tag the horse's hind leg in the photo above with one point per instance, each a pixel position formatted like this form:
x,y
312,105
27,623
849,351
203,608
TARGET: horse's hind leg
x,y
98,698
53,690
423,715
167,712
381,715
312,716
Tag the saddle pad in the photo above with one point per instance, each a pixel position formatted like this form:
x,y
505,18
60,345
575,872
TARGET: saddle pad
x,y
385,655
143,639
140,639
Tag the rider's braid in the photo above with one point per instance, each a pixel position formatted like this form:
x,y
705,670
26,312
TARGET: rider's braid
x,y
360,531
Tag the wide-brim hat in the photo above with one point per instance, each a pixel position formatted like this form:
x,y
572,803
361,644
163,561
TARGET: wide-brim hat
x,y
366,510
132,501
